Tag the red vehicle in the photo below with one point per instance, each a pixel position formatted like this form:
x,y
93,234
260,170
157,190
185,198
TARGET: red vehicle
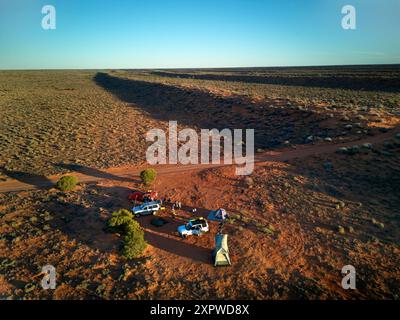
x,y
143,196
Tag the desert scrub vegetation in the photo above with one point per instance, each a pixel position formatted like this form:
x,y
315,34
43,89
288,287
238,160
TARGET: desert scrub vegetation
x,y
148,176
35,107
122,222
305,95
241,221
67,183
107,126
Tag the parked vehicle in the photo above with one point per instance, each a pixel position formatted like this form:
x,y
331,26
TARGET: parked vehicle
x,y
143,196
193,227
147,208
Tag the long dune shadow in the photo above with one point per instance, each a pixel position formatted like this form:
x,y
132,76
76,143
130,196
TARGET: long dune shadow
x,y
43,182
161,99
39,181
92,172
364,78
196,108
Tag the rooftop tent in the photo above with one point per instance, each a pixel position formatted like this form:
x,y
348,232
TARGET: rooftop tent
x,y
221,251
218,215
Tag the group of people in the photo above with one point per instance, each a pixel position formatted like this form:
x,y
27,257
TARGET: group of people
x,y
176,205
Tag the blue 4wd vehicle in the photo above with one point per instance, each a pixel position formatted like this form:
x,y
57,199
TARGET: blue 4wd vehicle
x,y
148,208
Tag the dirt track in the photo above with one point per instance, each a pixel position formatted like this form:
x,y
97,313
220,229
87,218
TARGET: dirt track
x,y
132,172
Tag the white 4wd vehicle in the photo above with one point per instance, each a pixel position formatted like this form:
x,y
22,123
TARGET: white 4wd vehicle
x,y
147,208
194,227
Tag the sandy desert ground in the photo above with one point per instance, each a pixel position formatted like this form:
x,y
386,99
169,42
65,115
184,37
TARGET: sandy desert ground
x,y
305,212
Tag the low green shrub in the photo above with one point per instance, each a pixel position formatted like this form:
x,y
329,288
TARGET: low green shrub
x,y
134,241
267,230
67,183
122,222
119,220
148,176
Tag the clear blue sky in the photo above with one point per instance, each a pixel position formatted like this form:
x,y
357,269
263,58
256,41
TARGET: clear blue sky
x,y
203,33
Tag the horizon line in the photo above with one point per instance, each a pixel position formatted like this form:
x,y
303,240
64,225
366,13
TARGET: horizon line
x,y
207,68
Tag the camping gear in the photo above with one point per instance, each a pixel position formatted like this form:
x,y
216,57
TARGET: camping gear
x,y
158,222
221,251
218,215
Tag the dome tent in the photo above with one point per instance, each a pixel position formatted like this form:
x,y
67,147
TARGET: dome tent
x,y
221,251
